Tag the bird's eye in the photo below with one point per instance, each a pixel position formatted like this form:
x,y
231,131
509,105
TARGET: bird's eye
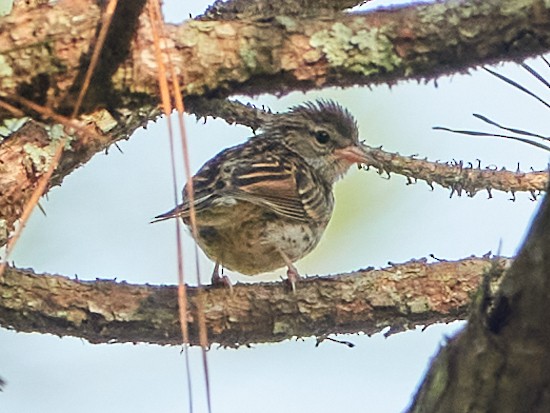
x,y
322,136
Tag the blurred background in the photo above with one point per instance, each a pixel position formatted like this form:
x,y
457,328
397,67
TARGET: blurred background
x,y
97,226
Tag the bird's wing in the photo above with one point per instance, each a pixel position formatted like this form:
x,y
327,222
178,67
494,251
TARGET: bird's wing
x,y
271,184
280,183
286,187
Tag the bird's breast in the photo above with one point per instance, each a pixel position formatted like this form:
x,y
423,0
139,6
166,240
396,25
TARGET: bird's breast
x,y
251,241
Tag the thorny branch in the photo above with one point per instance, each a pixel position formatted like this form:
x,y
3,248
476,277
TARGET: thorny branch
x,y
400,296
458,176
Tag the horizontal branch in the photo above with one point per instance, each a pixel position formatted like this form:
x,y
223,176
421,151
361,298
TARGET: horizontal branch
x,y
283,54
400,296
459,176
268,9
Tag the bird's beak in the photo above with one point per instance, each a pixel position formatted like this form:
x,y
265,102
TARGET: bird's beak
x,y
357,153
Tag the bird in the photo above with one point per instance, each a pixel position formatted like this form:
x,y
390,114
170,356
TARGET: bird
x,y
264,204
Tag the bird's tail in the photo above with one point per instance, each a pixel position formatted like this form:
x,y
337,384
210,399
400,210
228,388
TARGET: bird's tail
x,y
174,213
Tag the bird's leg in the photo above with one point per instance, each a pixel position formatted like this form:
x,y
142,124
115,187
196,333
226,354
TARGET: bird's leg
x,y
220,280
291,272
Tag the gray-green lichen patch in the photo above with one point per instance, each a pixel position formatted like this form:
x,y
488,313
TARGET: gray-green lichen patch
x,y
290,24
5,69
249,57
12,125
419,305
4,232
42,156
435,13
5,7
367,51
334,43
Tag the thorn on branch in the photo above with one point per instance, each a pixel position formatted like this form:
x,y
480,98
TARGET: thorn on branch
x,y
320,339
437,259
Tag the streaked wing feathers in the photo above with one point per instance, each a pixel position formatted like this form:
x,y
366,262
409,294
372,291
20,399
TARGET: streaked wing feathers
x,y
280,183
270,184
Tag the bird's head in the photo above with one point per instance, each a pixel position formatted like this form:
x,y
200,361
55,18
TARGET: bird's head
x,y
323,133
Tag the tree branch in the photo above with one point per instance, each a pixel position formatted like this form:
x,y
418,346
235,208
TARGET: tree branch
x,y
459,176
400,296
251,57
27,154
267,9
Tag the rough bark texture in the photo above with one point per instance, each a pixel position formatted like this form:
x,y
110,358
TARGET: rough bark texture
x,y
268,9
28,153
401,297
500,362
459,176
43,49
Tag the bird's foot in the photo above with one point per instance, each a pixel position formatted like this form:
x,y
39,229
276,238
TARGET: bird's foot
x,y
292,277
291,273
220,280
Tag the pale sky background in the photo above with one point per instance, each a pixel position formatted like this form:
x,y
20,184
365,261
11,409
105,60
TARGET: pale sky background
x,y
97,225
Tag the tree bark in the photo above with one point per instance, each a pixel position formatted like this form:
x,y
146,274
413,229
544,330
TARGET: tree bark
x,y
44,49
105,311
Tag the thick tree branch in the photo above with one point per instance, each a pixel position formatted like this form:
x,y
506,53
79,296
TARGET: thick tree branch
x,y
268,9
43,49
401,296
500,362
26,156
